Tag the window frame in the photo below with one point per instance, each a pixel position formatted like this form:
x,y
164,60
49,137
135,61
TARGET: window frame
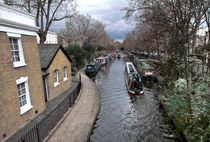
x,y
65,73
28,106
20,50
57,77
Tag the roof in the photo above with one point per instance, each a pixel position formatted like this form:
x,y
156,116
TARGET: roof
x,y
143,60
92,64
101,58
16,19
47,52
144,64
44,73
130,68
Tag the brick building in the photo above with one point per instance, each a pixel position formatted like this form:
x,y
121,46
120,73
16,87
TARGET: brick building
x,y
56,70
22,93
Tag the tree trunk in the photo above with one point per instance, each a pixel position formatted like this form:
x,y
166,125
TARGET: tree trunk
x,y
6,2
42,37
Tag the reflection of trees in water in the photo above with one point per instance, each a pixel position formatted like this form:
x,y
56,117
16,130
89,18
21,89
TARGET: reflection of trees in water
x,y
103,69
99,79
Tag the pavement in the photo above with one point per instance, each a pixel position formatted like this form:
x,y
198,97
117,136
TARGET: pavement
x,y
77,124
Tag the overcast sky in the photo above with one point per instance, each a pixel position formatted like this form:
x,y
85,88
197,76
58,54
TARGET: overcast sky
x,y
108,12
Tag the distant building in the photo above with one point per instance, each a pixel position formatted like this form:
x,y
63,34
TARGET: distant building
x,y
202,36
22,93
51,38
56,70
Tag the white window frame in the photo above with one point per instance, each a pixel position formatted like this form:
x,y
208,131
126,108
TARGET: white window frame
x,y
57,82
21,55
65,73
28,105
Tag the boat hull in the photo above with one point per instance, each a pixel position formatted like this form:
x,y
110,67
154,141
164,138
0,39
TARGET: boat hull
x,y
131,93
91,74
102,64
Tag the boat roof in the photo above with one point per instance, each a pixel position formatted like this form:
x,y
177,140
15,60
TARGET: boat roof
x,y
144,64
101,58
130,68
143,60
92,64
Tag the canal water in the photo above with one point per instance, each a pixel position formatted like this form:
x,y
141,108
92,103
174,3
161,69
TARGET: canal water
x,y
125,119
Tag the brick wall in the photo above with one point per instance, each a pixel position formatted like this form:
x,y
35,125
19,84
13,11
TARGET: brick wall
x,y
10,118
58,62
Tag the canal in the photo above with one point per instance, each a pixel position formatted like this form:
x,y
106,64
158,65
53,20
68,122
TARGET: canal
x,y
124,119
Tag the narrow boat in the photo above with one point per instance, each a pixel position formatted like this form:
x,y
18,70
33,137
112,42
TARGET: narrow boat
x,y
92,69
118,56
102,61
133,80
146,71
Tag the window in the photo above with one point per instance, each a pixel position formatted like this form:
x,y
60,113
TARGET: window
x,y
23,95
65,75
16,49
56,80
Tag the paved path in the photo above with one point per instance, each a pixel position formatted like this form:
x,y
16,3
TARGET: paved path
x,y
78,124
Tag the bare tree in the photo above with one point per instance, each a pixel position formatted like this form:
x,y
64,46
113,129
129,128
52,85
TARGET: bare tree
x,y
83,28
46,11
179,19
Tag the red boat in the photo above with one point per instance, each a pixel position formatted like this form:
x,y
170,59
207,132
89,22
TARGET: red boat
x,y
102,61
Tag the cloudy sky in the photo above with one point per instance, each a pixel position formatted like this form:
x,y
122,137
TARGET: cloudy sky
x,y
108,12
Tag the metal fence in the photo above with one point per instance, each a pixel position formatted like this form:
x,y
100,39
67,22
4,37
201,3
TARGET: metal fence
x,y
38,128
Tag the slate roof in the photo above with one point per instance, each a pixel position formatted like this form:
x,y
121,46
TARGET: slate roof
x,y
47,53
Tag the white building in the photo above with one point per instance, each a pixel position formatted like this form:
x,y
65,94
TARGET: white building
x,y
51,38
202,36
13,21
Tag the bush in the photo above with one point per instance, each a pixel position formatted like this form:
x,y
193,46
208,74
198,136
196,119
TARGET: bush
x,y
89,50
100,48
194,121
77,54
178,108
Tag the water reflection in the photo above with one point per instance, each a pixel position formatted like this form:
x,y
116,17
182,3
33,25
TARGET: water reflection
x,y
125,119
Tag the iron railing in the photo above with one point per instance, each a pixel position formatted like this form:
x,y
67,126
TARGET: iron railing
x,y
38,128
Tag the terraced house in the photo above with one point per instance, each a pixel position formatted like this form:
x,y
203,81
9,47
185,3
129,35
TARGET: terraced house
x,y
22,92
56,70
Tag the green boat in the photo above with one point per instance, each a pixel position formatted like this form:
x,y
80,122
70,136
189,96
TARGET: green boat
x,y
133,80
146,71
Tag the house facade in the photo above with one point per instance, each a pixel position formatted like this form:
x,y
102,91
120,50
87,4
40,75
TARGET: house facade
x,y
22,92
56,70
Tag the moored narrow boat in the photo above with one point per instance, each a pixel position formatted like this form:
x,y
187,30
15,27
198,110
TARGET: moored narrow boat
x,y
133,81
102,61
119,56
146,71
92,69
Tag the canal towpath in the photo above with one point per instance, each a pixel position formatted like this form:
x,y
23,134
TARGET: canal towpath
x,y
77,124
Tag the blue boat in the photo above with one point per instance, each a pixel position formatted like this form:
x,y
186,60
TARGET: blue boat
x,y
92,69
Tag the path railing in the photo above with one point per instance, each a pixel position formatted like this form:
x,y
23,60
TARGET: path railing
x,y
38,128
